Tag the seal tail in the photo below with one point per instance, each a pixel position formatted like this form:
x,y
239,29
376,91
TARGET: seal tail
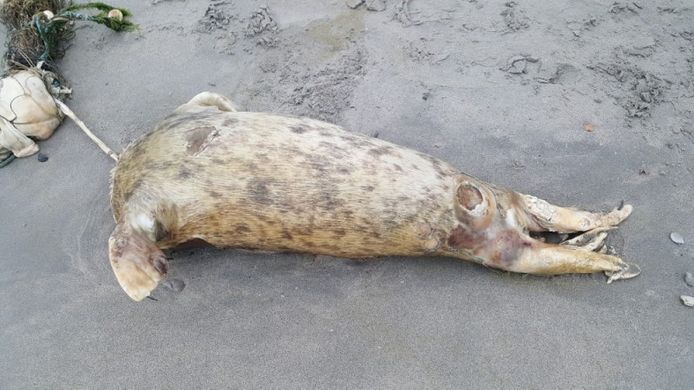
x,y
138,263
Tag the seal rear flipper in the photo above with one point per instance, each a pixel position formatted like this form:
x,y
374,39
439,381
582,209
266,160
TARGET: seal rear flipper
x,y
554,259
208,99
136,260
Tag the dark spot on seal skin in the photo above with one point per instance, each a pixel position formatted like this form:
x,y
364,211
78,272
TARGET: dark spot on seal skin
x,y
199,138
259,192
397,167
339,233
214,194
230,122
184,173
330,146
160,166
172,121
133,188
303,231
381,151
217,161
368,188
241,228
298,129
286,235
343,171
469,196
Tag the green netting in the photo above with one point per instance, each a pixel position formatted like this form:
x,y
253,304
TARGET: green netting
x,y
36,35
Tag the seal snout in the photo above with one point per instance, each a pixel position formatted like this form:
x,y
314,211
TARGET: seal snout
x,y
139,265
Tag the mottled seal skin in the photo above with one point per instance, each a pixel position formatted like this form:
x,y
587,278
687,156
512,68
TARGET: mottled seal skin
x,y
276,183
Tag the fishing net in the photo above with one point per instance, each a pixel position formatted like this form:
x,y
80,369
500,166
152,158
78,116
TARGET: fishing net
x,y
27,109
38,32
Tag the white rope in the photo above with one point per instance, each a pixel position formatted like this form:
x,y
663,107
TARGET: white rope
x,y
68,112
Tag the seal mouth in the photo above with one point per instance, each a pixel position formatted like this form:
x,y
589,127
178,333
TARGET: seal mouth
x,y
139,265
133,280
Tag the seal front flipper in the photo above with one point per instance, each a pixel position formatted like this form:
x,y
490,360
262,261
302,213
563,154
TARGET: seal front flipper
x,y
136,260
207,99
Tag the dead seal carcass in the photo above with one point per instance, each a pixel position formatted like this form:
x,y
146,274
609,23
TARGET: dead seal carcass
x,y
269,182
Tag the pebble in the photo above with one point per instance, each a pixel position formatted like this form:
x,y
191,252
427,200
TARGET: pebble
x,y
689,279
42,157
677,238
687,300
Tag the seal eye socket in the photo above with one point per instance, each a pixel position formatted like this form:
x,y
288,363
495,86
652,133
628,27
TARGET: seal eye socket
x,y
469,196
470,200
474,204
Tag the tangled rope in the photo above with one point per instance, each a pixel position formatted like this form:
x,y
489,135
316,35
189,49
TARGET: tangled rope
x,y
38,33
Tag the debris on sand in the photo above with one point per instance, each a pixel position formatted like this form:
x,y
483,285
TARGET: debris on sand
x,y
589,127
263,27
687,300
689,279
577,27
215,18
260,22
42,157
518,64
31,87
514,17
642,89
325,94
371,5
676,238
643,49
619,7
420,51
354,4
403,14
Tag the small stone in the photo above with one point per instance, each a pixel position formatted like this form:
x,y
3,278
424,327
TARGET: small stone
x,y
354,4
176,285
689,279
42,157
375,5
677,238
646,97
687,300
589,127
